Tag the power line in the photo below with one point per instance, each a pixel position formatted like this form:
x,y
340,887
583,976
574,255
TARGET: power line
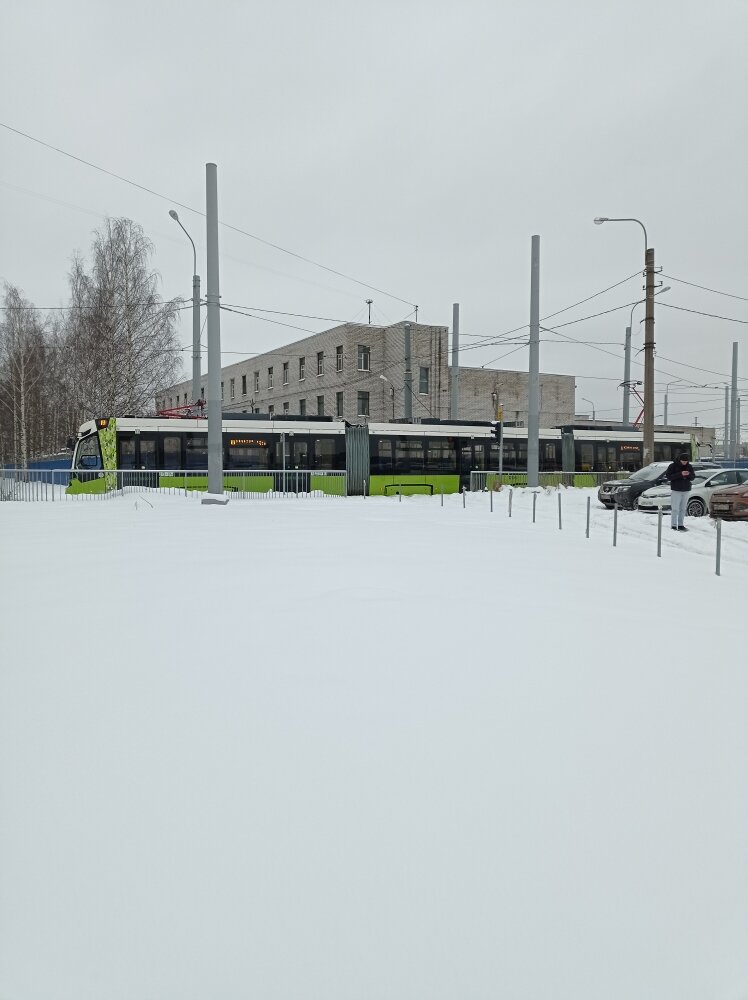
x,y
704,288
189,208
729,319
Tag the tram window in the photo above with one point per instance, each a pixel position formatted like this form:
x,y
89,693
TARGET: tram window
x,y
381,456
409,455
605,457
629,457
89,455
126,447
148,453
172,451
248,456
586,452
328,453
441,455
196,451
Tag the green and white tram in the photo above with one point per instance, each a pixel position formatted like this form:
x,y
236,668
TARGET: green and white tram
x,y
377,458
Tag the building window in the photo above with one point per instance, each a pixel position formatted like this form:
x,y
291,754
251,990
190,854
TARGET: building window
x,y
285,407
320,406
338,404
221,391
302,407
285,373
185,397
363,404
271,409
244,385
320,362
339,358
364,358
302,367
257,381
423,380
232,388
270,378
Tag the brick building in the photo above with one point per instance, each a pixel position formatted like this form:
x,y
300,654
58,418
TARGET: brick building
x,y
355,372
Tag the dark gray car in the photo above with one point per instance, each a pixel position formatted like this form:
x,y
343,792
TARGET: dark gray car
x,y
625,492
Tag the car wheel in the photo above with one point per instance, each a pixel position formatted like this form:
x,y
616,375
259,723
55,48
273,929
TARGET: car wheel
x,y
696,507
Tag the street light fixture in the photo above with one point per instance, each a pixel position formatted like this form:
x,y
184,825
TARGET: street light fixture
x,y
585,400
195,314
649,342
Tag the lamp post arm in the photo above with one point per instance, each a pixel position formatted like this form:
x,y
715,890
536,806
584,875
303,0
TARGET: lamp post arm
x,y
194,251
646,243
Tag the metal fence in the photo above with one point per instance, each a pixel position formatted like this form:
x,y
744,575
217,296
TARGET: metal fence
x,y
65,484
491,479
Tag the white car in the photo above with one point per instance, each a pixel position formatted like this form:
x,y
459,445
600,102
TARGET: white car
x,y
702,487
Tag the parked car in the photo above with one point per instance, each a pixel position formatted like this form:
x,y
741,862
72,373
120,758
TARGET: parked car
x,y
625,492
731,502
702,487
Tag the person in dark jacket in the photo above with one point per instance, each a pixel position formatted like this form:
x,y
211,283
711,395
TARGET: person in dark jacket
x,y
679,474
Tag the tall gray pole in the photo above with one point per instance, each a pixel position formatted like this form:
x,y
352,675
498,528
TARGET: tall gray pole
x,y
664,417
734,405
737,453
454,397
649,348
212,296
626,376
408,379
533,380
726,439
195,338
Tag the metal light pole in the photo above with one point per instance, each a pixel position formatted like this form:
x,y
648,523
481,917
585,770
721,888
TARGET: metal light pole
x,y
195,314
454,394
585,400
649,343
667,388
215,436
627,357
533,377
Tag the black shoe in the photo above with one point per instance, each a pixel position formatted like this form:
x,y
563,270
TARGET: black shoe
x,y
682,528
673,528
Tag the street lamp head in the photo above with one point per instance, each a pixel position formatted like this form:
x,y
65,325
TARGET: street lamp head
x,y
600,219
665,289
174,215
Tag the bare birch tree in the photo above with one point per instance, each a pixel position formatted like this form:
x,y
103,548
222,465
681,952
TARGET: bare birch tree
x,y
23,369
119,345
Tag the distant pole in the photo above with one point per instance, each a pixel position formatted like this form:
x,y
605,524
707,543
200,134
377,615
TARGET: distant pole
x,y
533,380
369,302
408,379
726,440
664,416
737,453
649,347
195,313
454,396
501,445
627,376
215,471
734,406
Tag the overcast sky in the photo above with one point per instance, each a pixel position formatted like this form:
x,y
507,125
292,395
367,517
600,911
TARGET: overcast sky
x,y
415,146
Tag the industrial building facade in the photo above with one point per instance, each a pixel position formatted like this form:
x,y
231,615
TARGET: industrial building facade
x,y
356,372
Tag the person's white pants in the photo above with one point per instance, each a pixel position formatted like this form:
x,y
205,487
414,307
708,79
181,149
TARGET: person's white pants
x,y
678,501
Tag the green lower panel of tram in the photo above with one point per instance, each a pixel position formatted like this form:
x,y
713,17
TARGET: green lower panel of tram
x,y
412,485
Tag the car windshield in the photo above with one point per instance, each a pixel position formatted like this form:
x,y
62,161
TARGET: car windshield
x,y
701,477
648,472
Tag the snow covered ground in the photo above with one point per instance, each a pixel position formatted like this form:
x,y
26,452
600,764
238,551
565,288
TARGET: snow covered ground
x,y
365,749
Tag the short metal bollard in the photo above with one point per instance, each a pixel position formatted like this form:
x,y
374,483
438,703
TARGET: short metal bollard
x,y
442,491
463,496
511,492
659,532
615,525
490,493
559,512
400,494
364,488
587,532
534,501
719,547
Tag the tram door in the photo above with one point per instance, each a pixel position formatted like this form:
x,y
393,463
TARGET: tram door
x,y
472,459
147,459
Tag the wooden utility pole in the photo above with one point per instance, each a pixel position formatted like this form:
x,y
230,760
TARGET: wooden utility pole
x,y
649,346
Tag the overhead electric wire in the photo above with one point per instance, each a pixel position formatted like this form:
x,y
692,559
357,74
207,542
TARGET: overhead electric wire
x,y
189,208
704,288
728,319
